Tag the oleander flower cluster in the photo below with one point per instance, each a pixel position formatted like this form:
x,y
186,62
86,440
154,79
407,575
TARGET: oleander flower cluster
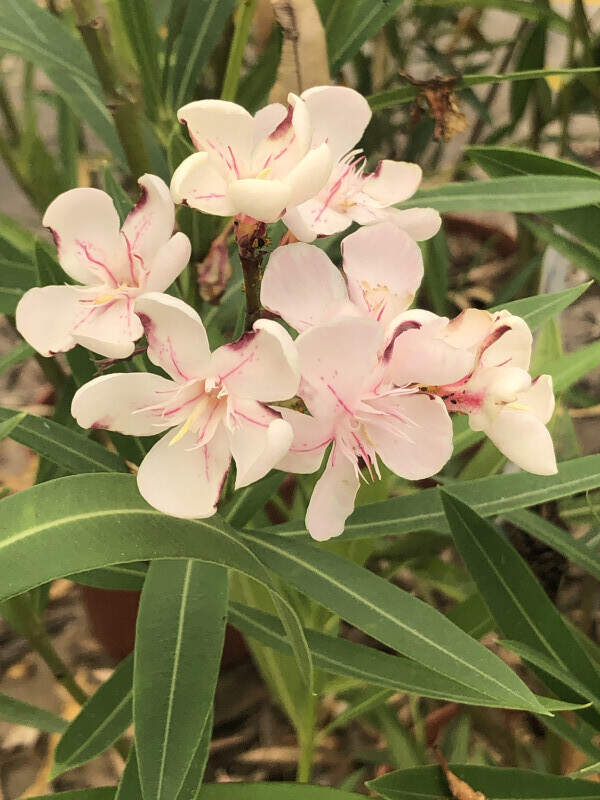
x,y
363,380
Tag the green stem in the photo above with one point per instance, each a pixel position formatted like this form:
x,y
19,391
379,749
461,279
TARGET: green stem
x,y
306,740
124,108
40,641
10,118
238,46
250,237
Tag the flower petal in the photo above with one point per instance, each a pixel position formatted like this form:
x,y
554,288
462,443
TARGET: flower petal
x,y
258,437
540,398
45,318
419,223
198,184
121,402
412,434
183,480
149,225
508,341
316,218
266,120
384,267
524,439
339,116
303,286
311,437
296,222
262,365
177,340
265,200
224,130
286,144
393,181
336,363
333,498
310,175
109,329
168,263
85,226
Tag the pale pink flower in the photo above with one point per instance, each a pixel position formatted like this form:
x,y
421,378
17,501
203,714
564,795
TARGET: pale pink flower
x,y
363,417
339,116
216,404
115,266
382,269
478,364
249,165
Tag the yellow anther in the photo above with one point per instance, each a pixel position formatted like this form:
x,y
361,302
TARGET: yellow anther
x,y
264,173
187,424
519,406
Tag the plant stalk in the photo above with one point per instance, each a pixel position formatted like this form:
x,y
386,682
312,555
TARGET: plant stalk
x,y
306,740
251,238
124,108
238,45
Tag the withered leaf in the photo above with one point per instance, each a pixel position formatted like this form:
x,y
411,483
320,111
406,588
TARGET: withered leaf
x,y
438,94
459,789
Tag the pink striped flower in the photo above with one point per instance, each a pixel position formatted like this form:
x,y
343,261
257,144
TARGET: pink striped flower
x,y
339,116
215,404
478,364
114,265
254,165
362,416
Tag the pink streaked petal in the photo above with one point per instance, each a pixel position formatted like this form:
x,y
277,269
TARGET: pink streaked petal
x,y
262,365
110,329
508,341
412,434
85,226
333,498
336,363
339,116
469,328
258,437
266,121
199,185
310,175
419,357
45,318
124,403
303,286
168,263
265,200
183,480
311,437
524,439
222,129
286,144
149,226
384,267
316,218
392,182
177,340
420,223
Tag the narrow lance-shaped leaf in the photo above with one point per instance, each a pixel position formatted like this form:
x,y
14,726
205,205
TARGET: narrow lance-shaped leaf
x,y
392,616
129,787
105,716
19,713
179,640
518,603
114,525
429,783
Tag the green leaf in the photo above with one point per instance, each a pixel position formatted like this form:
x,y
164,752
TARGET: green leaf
x,y
520,606
200,32
139,25
20,713
342,657
9,425
101,793
71,450
123,203
557,538
391,615
498,494
582,255
20,352
523,193
190,788
37,36
367,17
429,783
571,367
105,716
551,667
539,308
246,502
129,786
179,641
435,256
272,791
128,577
114,525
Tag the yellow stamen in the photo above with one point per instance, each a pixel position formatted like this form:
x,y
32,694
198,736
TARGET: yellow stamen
x,y
519,406
264,173
187,424
103,298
